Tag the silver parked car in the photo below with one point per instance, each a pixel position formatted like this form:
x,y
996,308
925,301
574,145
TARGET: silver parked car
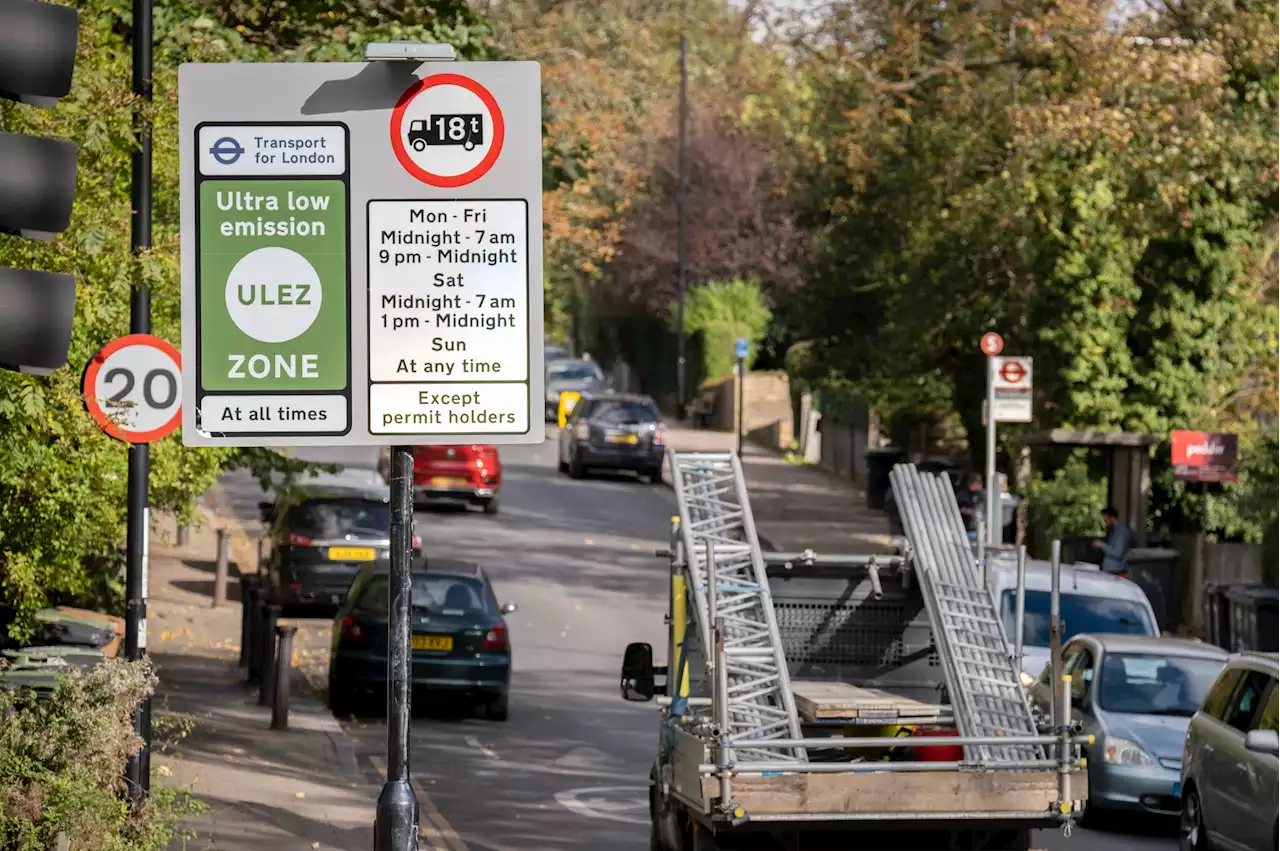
x,y
1135,694
1229,761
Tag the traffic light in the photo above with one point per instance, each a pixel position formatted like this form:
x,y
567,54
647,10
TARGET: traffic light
x,y
37,184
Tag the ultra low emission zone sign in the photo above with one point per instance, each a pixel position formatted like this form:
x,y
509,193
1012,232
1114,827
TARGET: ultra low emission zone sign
x,y
362,253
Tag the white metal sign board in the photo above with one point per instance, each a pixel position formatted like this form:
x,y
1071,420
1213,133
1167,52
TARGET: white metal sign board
x,y
1012,377
361,253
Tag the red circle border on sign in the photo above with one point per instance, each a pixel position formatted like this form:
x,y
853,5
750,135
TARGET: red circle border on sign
x,y
91,380
397,125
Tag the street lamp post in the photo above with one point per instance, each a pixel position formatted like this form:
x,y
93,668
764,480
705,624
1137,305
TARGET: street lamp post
x,y
682,391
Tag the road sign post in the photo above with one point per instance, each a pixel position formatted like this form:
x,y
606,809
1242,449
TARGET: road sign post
x,y
741,351
362,265
992,345
1008,400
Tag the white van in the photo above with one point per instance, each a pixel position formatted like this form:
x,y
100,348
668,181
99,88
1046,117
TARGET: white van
x,y
1091,601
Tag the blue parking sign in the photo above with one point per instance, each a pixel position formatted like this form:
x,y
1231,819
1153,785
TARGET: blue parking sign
x,y
742,349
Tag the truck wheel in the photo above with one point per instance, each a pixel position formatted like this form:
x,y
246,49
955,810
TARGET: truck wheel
x,y
701,839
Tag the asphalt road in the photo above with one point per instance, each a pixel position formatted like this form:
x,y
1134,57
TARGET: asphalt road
x,y
568,770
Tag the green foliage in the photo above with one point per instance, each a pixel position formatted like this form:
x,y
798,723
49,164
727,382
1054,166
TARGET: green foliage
x,y
1068,502
723,311
1103,197
62,481
62,764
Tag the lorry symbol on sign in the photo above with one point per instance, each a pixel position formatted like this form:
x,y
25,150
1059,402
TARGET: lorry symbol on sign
x,y
1013,372
227,150
464,130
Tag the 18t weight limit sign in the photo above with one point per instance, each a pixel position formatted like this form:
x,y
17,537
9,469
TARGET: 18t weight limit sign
x,y
132,388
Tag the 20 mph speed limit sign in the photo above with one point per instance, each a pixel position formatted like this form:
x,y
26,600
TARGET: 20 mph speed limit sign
x,y
133,388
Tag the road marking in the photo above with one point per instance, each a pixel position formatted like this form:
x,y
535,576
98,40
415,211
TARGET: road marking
x,y
437,831
614,803
475,743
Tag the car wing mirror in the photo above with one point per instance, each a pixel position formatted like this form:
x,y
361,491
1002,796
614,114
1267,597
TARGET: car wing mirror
x,y
267,511
508,608
638,682
1262,741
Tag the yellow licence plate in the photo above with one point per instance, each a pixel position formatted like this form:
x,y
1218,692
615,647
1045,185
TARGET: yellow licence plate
x,y
623,438
432,642
448,482
352,554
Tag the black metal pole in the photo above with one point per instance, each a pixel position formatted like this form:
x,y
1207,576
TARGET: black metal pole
x,y
395,826
742,393
682,391
138,770
284,665
267,662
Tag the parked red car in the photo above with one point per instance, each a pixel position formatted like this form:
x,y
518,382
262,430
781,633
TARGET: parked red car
x,y
469,473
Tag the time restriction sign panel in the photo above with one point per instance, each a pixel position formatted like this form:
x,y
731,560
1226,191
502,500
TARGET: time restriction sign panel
x,y
448,317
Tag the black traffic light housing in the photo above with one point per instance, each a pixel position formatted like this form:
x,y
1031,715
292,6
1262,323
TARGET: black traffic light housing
x,y
37,183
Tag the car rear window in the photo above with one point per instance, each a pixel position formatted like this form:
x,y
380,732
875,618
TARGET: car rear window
x,y
574,372
441,595
335,518
623,412
1080,613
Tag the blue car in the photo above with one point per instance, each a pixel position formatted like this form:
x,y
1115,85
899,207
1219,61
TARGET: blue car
x,y
461,644
1135,694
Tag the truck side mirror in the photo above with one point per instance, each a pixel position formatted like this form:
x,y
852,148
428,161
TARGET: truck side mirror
x,y
267,511
638,683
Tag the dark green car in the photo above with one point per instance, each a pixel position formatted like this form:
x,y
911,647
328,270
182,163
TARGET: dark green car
x,y
459,637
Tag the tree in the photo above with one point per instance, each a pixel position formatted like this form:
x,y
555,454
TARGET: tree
x,y
62,481
740,224
1100,197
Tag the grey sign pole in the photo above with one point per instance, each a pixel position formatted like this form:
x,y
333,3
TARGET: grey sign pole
x,y
994,528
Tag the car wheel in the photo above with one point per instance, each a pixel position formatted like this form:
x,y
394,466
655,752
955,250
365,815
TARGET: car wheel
x,y
498,709
562,466
1191,832
342,699
490,505
654,477
576,470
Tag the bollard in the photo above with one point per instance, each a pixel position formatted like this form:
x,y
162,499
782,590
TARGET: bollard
x,y
267,680
220,570
248,597
183,536
284,666
261,539
253,611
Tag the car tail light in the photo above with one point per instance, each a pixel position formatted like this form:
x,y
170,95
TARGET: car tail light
x,y
582,431
660,436
293,539
351,632
495,641
417,542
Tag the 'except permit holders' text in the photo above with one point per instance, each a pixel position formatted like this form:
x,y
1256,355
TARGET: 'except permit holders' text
x,y
445,410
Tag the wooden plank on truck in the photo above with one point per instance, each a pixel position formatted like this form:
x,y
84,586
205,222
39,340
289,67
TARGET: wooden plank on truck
x,y
895,792
818,701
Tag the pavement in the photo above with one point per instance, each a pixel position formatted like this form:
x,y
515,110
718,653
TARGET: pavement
x,y
278,789
568,771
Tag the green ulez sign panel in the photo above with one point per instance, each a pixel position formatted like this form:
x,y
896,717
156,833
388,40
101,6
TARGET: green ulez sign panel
x,y
273,285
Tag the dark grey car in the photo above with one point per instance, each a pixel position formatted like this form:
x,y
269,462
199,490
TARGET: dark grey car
x,y
1231,760
614,431
320,538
